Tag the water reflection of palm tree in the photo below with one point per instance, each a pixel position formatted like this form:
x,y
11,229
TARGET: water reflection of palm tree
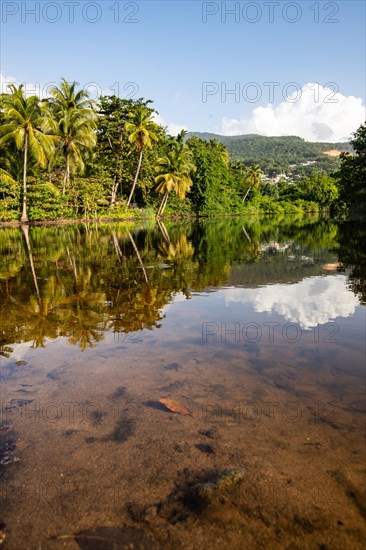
x,y
138,256
38,318
117,247
137,305
25,230
52,311
12,257
178,250
85,317
37,312
180,254
163,230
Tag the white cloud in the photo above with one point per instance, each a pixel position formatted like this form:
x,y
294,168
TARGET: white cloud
x,y
173,128
314,113
311,301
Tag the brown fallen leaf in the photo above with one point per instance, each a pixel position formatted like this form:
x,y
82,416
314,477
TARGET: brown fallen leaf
x,y
331,267
2,532
174,406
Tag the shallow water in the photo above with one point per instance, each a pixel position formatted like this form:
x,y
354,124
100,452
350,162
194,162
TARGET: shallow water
x,y
257,328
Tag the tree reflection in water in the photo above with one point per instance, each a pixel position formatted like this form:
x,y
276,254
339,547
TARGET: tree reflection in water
x,y
80,281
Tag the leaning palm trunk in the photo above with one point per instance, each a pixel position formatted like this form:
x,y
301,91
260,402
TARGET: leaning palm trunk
x,y
138,257
135,180
25,230
247,192
24,216
162,204
163,230
246,234
117,247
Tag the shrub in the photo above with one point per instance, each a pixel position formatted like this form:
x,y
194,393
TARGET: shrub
x,y
45,202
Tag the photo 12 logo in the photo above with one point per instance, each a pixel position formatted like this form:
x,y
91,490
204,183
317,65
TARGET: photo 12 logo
x,y
74,412
268,92
124,90
234,413
72,12
271,332
269,12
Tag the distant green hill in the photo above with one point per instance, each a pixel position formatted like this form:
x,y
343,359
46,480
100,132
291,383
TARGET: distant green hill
x,y
292,147
276,153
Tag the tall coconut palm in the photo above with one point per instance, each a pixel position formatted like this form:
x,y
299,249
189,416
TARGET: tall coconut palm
x,y
141,130
71,116
174,173
24,125
254,178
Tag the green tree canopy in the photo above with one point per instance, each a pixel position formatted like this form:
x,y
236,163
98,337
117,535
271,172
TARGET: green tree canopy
x,y
352,173
174,172
71,116
142,133
24,124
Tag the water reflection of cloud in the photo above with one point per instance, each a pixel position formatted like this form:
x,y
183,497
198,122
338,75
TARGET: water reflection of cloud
x,y
312,301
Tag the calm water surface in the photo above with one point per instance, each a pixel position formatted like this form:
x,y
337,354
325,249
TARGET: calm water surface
x,y
256,328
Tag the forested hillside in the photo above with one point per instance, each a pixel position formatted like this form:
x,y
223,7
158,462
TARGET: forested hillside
x,y
292,148
274,154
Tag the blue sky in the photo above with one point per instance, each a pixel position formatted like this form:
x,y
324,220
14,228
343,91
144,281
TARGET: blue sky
x,y
170,50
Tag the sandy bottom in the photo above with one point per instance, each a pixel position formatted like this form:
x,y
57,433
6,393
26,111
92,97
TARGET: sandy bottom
x,y
99,454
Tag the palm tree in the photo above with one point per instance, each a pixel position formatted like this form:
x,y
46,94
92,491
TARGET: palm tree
x,y
141,130
24,125
174,173
71,116
254,178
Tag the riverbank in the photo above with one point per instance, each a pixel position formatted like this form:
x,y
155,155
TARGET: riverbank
x,y
147,215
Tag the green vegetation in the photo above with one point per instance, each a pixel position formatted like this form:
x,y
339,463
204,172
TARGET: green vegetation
x,y
140,128
22,122
290,155
174,172
71,118
352,174
68,157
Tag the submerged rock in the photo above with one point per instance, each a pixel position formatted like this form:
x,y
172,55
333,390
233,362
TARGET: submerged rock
x,y
214,498
207,449
6,455
8,459
223,482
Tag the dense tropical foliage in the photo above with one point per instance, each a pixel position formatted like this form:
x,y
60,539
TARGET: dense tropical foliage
x,y
352,173
67,157
23,128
